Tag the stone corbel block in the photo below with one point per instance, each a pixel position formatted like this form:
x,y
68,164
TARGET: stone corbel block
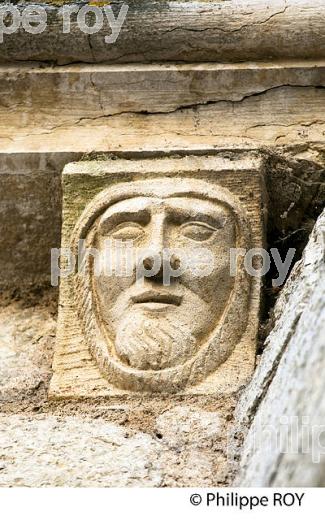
x,y
123,334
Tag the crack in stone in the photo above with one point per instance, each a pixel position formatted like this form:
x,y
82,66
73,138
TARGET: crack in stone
x,y
190,106
205,29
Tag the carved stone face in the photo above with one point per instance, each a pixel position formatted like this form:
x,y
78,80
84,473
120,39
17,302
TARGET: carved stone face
x,y
145,332
155,326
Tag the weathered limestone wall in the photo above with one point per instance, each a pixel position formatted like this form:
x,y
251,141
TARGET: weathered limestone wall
x,y
205,76
30,215
233,77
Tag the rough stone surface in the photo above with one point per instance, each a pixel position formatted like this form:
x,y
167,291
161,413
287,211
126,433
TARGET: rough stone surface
x,y
79,451
30,197
192,427
288,385
26,340
52,451
206,30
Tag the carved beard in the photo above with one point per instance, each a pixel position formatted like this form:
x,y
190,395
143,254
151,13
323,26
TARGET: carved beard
x,y
149,343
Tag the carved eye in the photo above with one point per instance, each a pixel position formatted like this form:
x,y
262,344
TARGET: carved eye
x,y
127,231
198,231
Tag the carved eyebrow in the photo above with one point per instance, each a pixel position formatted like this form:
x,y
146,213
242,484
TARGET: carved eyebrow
x,y
187,215
141,211
107,223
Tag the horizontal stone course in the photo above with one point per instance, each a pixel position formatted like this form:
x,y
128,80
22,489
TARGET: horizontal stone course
x,y
221,31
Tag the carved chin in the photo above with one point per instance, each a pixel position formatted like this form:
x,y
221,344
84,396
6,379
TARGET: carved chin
x,y
153,344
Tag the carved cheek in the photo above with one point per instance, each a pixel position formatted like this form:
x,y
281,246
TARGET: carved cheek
x,y
216,284
115,276
220,250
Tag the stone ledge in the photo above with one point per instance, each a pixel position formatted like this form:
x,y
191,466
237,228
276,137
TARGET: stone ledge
x,y
53,97
222,31
42,450
244,124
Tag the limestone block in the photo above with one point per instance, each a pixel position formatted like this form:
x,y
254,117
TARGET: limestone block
x,y
26,340
53,96
246,123
80,450
233,30
152,342
287,391
70,451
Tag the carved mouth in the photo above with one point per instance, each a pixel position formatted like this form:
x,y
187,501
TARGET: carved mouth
x,y
157,297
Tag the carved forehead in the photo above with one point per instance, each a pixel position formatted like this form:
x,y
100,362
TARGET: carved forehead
x,y
187,206
185,190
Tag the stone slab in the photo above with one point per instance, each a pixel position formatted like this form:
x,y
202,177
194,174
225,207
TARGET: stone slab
x,y
184,450
52,96
246,124
75,452
286,393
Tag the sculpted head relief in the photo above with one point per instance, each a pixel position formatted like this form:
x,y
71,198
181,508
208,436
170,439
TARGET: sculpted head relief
x,y
158,306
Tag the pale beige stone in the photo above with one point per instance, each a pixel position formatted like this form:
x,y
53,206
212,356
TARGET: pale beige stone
x,y
27,336
45,450
53,97
71,451
191,336
191,427
249,123
284,406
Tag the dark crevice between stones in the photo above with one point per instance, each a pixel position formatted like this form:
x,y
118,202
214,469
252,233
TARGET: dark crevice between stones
x,y
296,195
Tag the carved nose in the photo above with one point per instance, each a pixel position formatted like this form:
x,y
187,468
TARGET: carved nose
x,y
175,262
149,263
